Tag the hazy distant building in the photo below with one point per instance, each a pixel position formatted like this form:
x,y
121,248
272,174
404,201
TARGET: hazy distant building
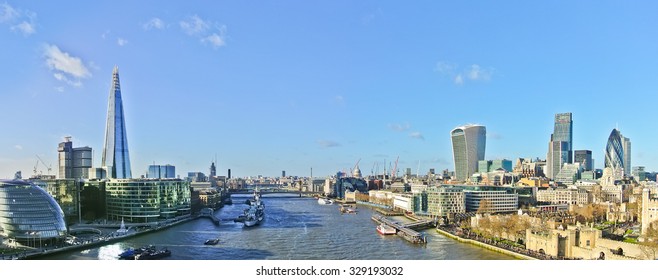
x,y
569,173
161,171
485,166
584,157
116,159
213,170
639,174
74,163
468,147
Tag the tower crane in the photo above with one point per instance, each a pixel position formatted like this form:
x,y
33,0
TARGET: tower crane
x,y
44,164
395,168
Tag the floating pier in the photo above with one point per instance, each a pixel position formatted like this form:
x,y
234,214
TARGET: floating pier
x,y
209,213
407,231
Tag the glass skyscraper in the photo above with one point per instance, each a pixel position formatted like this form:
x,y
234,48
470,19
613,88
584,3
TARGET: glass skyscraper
x,y
618,153
468,146
116,160
563,131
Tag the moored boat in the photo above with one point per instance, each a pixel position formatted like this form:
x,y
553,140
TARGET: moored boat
x,y
384,229
325,201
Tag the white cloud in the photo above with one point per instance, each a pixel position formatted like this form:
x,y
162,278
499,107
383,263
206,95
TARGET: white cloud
x,y
460,75
104,35
59,89
399,127
328,143
417,135
476,73
154,23
18,147
195,26
459,80
207,31
122,42
215,40
19,20
445,67
65,67
7,13
25,28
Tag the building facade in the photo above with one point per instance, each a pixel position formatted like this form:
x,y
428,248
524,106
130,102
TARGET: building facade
x,y
116,159
74,163
29,215
146,200
445,201
584,157
563,132
617,154
468,147
563,196
558,155
161,172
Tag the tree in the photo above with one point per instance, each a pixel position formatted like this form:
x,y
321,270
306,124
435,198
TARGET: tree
x,y
650,248
485,206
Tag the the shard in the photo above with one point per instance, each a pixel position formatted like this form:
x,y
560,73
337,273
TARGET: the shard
x,y
116,159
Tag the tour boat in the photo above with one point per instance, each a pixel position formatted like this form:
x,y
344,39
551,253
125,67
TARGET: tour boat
x,y
384,229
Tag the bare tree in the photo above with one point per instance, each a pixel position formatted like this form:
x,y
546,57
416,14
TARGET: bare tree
x,y
650,248
485,206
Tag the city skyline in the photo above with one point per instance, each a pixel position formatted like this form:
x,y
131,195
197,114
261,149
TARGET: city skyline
x,y
294,86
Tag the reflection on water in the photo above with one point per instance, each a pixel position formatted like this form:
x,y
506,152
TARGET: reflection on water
x,y
294,229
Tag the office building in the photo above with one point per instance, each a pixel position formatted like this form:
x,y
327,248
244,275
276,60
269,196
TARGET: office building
x,y
116,159
558,155
617,153
563,131
74,163
161,172
147,200
639,174
584,157
468,147
445,201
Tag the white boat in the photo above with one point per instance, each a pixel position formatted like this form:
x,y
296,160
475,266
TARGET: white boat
x,y
384,229
325,201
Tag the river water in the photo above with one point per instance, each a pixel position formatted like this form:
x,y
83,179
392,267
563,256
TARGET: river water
x,y
294,229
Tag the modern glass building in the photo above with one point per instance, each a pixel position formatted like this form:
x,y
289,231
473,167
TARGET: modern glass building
x,y
584,157
116,159
563,131
161,172
558,155
468,147
445,201
65,193
146,200
29,215
616,153
349,184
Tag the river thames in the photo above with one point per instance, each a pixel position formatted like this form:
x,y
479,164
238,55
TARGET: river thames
x,y
295,228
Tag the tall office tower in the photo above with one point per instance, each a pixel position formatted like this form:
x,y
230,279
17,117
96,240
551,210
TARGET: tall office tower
x,y
283,174
563,131
626,145
468,146
74,163
617,153
584,157
213,170
115,152
558,155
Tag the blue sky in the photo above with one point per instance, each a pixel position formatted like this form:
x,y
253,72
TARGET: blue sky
x,y
293,85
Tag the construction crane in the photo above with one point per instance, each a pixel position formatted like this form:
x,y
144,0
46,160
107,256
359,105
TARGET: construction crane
x,y
44,164
395,168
